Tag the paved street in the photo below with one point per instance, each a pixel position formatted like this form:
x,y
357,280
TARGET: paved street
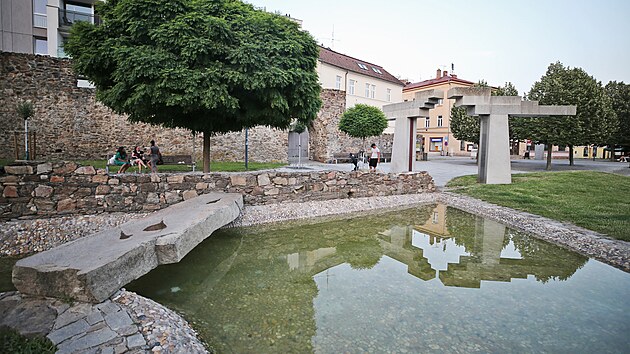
x,y
443,168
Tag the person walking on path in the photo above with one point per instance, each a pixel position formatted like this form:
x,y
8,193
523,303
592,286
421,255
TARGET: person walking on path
x,y
375,157
155,156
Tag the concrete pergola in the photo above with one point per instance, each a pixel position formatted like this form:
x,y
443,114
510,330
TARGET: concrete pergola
x,y
406,115
493,113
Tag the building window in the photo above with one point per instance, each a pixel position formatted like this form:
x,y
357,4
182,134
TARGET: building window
x,y
439,121
362,66
462,145
338,82
440,102
40,46
39,14
427,122
377,70
367,90
373,91
351,87
389,95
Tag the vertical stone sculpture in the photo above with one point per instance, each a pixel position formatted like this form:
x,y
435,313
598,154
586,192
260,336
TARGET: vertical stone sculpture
x,y
493,113
406,115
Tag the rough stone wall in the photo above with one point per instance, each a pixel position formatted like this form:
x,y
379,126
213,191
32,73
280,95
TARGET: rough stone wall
x,y
71,124
325,137
50,189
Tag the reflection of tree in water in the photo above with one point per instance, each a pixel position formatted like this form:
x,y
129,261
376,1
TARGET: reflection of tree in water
x,y
360,254
239,291
557,262
543,260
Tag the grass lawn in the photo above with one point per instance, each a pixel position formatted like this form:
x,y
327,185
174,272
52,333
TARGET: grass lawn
x,y
215,166
597,201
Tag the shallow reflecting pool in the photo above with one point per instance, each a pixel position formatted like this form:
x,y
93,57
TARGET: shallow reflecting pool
x,y
428,279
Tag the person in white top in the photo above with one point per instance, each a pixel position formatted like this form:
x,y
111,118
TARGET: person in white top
x,y
375,157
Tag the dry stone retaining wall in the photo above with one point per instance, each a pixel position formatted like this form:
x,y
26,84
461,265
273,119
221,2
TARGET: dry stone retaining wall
x,y
50,189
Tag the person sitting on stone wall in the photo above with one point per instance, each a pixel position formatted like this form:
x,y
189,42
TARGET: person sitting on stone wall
x,y
121,159
137,158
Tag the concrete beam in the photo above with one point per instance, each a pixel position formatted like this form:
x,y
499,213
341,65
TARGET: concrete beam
x,y
92,268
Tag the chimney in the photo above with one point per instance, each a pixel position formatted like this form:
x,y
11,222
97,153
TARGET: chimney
x,y
445,74
438,74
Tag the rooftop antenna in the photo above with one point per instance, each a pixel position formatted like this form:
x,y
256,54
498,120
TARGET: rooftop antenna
x,y
332,39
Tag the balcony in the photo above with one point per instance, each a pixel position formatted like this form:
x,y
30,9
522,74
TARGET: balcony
x,y
67,18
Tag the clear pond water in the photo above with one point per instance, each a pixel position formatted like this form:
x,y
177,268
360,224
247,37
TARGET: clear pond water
x,y
431,279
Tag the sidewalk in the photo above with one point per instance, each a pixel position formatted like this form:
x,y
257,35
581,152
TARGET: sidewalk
x,y
445,168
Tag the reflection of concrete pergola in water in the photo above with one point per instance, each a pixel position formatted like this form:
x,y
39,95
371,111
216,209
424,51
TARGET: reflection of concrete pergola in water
x,y
483,262
493,113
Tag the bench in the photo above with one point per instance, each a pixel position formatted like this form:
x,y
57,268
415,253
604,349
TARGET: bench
x,y
344,157
167,160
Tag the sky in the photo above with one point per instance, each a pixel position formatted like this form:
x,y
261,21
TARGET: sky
x,y
493,40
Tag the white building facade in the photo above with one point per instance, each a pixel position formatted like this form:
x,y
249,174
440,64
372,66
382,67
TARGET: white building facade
x,y
362,81
41,26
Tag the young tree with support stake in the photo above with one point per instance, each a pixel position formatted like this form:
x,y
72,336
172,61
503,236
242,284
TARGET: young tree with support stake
x,y
25,110
212,66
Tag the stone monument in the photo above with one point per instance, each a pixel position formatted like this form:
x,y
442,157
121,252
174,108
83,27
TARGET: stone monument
x,y
493,112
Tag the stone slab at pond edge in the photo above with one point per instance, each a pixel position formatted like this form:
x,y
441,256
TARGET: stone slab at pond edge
x,y
92,268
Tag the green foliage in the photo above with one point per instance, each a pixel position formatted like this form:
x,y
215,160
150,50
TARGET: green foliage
x,y
298,127
363,121
508,90
619,93
593,200
211,66
12,342
25,109
463,126
594,123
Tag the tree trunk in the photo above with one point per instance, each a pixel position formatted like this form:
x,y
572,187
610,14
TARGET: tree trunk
x,y
549,146
206,152
571,155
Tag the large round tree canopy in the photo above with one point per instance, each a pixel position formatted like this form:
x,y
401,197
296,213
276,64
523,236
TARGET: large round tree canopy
x,y
208,65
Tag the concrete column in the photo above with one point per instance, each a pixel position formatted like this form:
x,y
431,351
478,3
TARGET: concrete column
x,y
539,152
400,149
492,245
494,166
52,18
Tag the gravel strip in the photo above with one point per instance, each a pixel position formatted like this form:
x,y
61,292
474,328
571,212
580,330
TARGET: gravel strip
x,y
21,237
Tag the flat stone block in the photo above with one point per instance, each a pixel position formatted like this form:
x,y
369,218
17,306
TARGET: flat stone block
x,y
75,328
92,268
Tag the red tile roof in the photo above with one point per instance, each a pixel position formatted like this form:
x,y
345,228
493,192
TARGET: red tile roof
x,y
442,79
328,56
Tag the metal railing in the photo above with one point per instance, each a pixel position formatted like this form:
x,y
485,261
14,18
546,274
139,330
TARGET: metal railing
x,y
67,18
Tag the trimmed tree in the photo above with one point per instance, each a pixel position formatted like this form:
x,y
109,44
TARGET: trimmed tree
x,y
594,122
212,66
619,94
363,121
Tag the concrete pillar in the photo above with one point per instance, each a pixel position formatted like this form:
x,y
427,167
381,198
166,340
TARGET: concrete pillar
x,y
539,152
405,126
52,19
494,163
